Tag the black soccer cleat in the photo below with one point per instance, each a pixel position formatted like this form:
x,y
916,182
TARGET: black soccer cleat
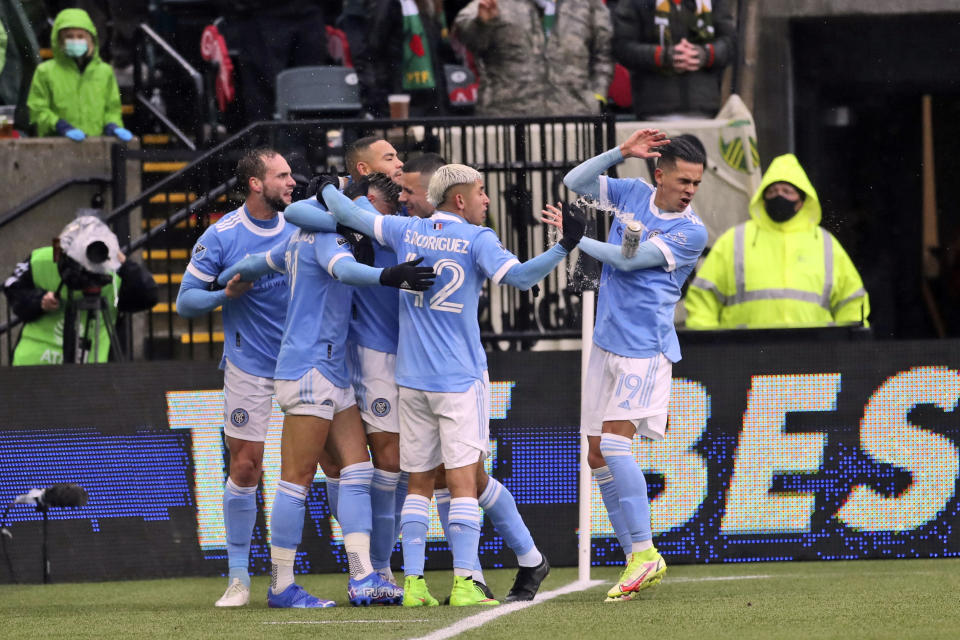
x,y
528,581
485,589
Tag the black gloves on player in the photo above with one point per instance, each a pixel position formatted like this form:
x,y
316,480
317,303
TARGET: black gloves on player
x,y
407,275
319,181
574,223
360,244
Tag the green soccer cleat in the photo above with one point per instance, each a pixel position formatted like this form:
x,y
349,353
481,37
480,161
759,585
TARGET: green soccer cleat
x,y
416,594
466,592
645,569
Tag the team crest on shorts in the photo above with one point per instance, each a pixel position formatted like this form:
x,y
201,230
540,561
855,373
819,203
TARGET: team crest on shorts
x,y
239,417
327,403
380,407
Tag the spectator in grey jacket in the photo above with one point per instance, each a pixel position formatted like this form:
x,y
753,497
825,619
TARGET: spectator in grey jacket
x,y
538,57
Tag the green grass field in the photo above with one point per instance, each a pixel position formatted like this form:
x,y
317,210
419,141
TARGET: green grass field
x,y
862,599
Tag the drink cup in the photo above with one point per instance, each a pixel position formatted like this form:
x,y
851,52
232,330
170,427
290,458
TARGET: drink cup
x,y
399,106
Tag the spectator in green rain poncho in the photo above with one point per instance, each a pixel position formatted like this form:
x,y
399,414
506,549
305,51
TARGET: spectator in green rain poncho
x,y
75,94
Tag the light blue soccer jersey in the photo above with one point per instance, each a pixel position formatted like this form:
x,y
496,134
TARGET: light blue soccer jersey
x,y
315,332
635,308
252,323
439,347
374,322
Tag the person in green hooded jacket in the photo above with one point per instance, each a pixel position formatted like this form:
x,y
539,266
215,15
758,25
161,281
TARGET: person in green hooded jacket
x,y
780,269
75,94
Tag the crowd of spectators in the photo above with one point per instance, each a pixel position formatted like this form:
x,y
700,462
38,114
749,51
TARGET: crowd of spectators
x,y
529,57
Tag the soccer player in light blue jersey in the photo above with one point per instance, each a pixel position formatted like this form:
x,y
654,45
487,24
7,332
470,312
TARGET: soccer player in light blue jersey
x,y
371,356
313,389
253,316
441,365
627,386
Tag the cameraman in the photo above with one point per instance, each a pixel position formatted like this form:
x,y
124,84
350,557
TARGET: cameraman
x,y
85,275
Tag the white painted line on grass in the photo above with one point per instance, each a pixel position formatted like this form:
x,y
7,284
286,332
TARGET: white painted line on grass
x,y
343,621
713,578
493,613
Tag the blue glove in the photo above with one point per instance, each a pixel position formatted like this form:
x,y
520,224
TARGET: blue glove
x,y
75,134
123,134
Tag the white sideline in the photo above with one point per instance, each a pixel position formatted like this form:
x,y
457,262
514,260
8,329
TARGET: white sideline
x,y
341,621
473,622
711,579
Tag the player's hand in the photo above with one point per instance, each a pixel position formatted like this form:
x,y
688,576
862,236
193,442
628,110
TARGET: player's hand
x,y
319,181
407,275
574,223
360,244
487,10
237,287
643,144
49,302
552,216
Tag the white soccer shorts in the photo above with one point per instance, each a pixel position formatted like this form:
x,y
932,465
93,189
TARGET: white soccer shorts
x,y
313,395
449,428
622,388
248,404
372,373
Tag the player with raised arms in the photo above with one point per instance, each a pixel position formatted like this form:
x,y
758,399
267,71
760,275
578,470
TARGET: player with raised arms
x,y
627,386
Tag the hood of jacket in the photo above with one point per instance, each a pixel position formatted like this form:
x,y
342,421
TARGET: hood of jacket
x,y
72,19
786,168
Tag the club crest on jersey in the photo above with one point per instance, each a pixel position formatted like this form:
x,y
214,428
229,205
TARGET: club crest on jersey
x,y
342,241
199,250
380,407
239,417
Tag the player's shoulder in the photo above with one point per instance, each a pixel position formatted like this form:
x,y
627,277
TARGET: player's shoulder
x,y
230,221
689,217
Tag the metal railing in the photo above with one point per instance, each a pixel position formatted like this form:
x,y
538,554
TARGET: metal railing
x,y
150,46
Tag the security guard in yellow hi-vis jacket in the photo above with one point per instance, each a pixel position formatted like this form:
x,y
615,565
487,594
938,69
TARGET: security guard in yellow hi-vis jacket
x,y
780,268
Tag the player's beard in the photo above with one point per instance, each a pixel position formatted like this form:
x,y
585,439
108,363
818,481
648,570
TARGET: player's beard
x,y
276,204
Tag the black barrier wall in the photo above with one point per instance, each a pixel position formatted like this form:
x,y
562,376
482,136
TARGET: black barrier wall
x,y
774,452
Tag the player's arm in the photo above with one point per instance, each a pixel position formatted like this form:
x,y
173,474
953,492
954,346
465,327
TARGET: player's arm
x,y
195,297
406,275
256,265
648,255
585,177
310,215
199,293
525,275
347,212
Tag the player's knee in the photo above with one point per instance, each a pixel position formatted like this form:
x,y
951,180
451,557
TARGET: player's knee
x,y
387,461
595,459
245,472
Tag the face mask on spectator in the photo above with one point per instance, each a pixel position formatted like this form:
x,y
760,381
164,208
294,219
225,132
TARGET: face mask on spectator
x,y
780,209
75,47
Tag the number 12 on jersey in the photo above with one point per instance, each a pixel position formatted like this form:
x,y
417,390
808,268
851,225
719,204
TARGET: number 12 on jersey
x,y
439,301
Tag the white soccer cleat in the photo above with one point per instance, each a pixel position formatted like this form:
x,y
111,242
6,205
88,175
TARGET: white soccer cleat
x,y
236,595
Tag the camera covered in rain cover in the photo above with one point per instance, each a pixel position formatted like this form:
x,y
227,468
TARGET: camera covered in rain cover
x,y
89,254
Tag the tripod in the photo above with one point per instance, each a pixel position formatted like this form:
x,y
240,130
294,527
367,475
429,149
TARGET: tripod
x,y
76,349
